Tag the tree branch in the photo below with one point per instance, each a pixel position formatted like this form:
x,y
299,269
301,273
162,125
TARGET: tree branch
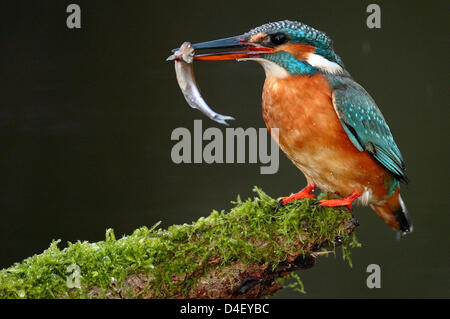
x,y
240,254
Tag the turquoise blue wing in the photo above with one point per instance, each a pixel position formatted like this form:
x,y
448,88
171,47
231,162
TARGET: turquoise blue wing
x,y
366,126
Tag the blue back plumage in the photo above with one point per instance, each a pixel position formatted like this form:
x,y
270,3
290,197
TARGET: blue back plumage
x,y
365,125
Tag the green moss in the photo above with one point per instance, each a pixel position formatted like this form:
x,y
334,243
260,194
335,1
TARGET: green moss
x,y
251,232
297,283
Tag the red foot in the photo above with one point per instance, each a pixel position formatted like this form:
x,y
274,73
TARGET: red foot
x,y
347,201
304,193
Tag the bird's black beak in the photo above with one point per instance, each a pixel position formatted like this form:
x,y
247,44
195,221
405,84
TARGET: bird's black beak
x,y
238,47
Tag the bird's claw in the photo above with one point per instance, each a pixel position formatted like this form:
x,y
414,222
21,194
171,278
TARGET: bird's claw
x,y
279,204
335,203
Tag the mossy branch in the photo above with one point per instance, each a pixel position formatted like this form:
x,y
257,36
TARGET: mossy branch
x,y
239,254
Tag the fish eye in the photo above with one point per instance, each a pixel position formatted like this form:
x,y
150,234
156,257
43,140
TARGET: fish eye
x,y
278,38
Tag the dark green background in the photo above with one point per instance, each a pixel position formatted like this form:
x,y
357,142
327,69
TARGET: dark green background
x,y
86,117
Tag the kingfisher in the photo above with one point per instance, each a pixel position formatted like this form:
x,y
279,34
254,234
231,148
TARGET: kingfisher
x,y
328,125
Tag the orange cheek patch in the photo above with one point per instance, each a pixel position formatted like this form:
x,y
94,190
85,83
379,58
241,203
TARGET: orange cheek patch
x,y
299,51
258,37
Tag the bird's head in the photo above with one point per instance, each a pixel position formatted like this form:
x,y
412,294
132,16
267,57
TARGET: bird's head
x,y
282,48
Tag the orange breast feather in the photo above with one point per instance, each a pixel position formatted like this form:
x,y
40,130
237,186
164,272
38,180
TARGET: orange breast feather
x,y
312,136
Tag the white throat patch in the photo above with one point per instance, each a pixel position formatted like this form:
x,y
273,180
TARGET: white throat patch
x,y
320,62
271,68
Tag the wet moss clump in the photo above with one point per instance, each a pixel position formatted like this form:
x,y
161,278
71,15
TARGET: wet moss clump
x,y
173,259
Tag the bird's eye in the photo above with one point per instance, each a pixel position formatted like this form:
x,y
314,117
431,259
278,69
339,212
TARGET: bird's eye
x,y
278,38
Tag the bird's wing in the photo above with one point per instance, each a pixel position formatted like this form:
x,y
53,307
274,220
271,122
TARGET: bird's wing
x,y
366,126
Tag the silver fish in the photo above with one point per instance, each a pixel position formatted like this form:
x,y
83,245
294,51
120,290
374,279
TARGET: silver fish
x,y
184,58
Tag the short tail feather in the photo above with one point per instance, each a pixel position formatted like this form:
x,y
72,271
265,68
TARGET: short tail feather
x,y
394,213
